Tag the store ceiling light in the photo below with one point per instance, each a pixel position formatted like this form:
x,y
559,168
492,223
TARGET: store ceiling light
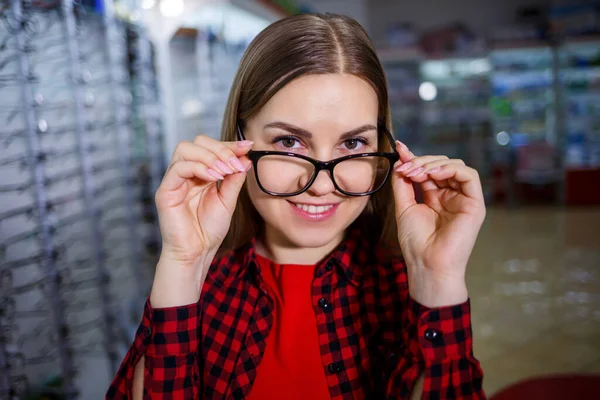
x,y
171,8
427,91
148,4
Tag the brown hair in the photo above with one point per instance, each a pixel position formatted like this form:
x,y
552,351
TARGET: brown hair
x,y
285,50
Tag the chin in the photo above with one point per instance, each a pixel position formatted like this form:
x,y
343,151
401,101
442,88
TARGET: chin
x,y
310,237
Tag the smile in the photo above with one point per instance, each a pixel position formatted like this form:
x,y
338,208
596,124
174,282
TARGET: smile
x,y
314,213
314,209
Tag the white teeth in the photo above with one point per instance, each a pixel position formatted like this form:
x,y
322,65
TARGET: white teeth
x,y
313,209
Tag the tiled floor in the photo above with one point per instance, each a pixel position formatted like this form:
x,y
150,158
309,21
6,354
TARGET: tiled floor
x,y
534,282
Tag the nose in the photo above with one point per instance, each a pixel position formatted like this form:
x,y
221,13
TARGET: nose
x,y
322,185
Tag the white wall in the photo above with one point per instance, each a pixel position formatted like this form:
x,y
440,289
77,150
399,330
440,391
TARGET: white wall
x,y
480,15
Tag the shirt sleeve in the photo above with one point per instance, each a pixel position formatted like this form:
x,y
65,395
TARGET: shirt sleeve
x,y
168,339
437,342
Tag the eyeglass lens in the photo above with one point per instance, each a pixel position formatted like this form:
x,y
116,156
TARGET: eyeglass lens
x,y
282,174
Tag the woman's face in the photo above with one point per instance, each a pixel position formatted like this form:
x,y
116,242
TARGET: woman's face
x,y
312,115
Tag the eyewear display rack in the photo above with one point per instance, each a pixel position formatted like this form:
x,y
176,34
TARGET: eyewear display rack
x,y
80,159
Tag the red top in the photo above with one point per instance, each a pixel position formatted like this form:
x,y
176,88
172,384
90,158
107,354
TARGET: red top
x,y
374,338
291,367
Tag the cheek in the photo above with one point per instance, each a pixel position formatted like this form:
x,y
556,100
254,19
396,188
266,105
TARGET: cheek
x,y
261,201
270,208
357,205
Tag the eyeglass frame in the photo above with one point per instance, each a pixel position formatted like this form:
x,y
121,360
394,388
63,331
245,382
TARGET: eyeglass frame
x,y
256,155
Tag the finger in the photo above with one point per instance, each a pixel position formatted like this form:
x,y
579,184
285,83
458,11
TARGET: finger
x,y
431,184
418,163
405,154
220,158
239,148
420,174
460,177
230,190
182,170
404,194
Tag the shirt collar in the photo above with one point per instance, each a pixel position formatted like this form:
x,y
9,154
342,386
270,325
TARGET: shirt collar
x,y
350,257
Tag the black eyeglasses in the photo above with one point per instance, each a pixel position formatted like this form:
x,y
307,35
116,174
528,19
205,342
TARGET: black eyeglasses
x,y
285,174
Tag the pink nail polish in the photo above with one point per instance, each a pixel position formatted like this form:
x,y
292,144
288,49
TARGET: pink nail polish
x,y
245,143
415,172
237,164
215,174
404,167
220,165
433,171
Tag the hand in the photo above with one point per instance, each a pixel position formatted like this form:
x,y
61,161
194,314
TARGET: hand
x,y
194,213
437,237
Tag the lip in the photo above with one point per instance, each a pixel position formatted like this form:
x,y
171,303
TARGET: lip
x,y
313,204
315,217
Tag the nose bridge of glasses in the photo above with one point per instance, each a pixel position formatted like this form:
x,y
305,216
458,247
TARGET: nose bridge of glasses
x,y
322,184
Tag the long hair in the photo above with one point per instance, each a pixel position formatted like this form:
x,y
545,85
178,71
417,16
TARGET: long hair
x,y
285,50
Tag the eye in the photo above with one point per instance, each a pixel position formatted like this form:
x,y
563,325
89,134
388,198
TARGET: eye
x,y
355,143
287,142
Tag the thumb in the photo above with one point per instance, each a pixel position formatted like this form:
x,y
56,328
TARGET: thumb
x,y
231,186
239,148
404,193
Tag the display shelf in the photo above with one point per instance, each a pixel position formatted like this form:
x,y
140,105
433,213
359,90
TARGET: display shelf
x,y
402,73
580,82
522,92
71,259
456,117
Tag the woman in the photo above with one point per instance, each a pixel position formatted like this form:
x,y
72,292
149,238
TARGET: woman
x,y
290,286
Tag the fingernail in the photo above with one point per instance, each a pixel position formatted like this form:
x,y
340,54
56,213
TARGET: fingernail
x,y
416,172
433,171
215,174
249,167
237,164
223,167
245,143
404,167
401,144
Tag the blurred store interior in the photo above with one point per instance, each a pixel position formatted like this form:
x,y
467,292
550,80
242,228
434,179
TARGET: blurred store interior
x,y
95,95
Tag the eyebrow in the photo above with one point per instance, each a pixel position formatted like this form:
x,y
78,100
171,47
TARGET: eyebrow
x,y
307,135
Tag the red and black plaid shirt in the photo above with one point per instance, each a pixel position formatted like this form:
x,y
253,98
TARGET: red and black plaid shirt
x,y
375,340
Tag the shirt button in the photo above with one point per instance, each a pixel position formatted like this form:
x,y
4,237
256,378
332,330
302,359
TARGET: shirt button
x,y
324,304
392,356
148,331
329,266
334,367
432,334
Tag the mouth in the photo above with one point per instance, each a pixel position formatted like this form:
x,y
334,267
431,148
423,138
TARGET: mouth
x,y
314,212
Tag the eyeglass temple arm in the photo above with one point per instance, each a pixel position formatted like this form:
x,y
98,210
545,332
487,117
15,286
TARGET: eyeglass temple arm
x,y
240,135
391,138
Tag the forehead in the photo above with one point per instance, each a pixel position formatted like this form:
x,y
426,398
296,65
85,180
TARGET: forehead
x,y
323,102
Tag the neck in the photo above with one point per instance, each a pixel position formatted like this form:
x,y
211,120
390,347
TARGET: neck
x,y
277,248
